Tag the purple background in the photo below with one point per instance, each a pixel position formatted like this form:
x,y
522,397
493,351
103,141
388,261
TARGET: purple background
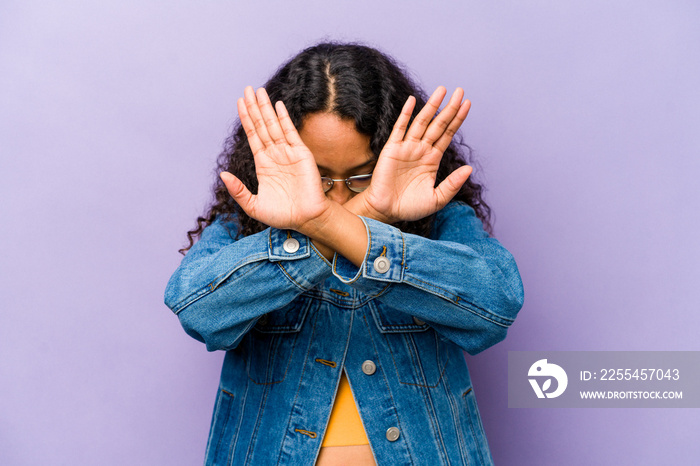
x,y
585,120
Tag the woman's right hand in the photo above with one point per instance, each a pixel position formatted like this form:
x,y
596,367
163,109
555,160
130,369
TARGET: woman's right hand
x,y
289,192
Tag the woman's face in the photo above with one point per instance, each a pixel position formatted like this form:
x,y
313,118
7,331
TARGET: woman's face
x,y
339,149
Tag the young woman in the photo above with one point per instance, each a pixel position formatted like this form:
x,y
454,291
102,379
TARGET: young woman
x,y
339,278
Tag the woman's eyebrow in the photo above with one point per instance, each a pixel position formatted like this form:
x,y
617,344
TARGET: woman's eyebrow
x,y
367,163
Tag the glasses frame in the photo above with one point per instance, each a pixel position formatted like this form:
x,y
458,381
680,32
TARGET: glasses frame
x,y
327,187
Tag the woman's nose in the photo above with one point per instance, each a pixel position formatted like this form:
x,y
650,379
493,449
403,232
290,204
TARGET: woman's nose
x,y
339,193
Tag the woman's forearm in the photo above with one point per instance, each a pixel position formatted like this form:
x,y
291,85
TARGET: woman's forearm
x,y
338,230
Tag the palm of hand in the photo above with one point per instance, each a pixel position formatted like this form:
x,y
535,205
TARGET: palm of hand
x,y
289,189
403,182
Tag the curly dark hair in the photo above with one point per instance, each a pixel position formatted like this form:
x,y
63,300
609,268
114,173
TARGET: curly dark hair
x,y
354,82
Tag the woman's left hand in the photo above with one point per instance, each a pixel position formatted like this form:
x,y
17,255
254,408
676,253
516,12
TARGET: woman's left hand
x,y
403,182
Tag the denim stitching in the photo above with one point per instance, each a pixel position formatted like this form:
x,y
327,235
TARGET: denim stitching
x,y
326,362
379,293
290,277
471,424
188,300
454,408
393,360
487,315
303,313
258,420
274,382
306,432
302,309
313,248
346,304
337,384
298,254
403,254
442,372
247,260
301,377
427,398
413,328
223,427
386,382
234,441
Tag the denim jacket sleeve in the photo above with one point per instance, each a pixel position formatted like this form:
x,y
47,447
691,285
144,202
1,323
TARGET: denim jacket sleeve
x,y
216,290
462,282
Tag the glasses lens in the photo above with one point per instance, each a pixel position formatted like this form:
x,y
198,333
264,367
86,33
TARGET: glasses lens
x,y
326,183
358,183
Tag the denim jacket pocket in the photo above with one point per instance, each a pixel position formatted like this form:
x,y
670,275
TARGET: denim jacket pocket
x,y
271,342
417,351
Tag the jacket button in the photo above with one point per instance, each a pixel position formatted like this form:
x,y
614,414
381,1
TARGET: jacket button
x,y
392,434
369,367
417,321
381,264
290,245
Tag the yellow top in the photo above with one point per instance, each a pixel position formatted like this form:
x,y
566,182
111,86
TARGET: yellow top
x,y
345,426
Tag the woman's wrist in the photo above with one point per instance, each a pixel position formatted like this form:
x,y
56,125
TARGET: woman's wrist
x,y
358,205
325,251
337,229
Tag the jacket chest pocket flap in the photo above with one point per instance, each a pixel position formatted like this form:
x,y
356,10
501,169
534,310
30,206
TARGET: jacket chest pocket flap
x,y
417,352
270,345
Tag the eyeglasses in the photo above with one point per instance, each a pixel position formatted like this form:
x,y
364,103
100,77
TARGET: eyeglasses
x,y
356,184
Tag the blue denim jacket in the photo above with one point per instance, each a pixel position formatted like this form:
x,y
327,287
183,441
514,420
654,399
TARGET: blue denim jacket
x,y
291,321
